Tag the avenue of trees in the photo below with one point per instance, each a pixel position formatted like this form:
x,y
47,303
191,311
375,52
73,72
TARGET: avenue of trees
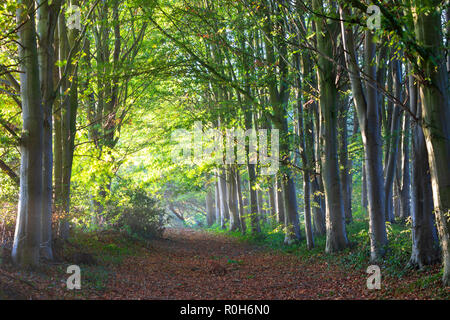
x,y
359,91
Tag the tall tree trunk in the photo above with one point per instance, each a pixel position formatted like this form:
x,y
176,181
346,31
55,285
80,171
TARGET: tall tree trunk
x,y
112,86
102,48
394,142
217,198
425,244
57,138
272,199
47,20
397,183
436,117
223,199
254,217
306,156
344,162
210,210
69,107
351,159
27,237
306,145
370,126
291,223
248,121
364,199
319,224
233,208
261,211
388,119
405,192
319,206
328,106
280,202
241,203
279,96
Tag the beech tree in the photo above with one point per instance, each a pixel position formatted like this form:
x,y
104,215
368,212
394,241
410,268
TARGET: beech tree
x,y
328,105
27,238
434,95
366,104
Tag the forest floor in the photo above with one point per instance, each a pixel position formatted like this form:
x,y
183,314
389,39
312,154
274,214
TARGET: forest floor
x,y
196,264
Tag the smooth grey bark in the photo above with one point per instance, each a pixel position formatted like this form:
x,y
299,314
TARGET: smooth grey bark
x,y
306,141
291,223
210,210
223,199
280,202
254,216
370,124
368,111
405,191
93,130
217,198
272,199
364,200
69,105
328,106
313,143
388,118
47,16
394,142
261,212
396,191
57,128
307,215
27,237
383,71
102,52
425,243
344,161
232,202
45,58
246,203
242,214
434,96
318,205
109,111
319,225
306,156
355,132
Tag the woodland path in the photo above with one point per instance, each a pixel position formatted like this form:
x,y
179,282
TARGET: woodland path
x,y
193,264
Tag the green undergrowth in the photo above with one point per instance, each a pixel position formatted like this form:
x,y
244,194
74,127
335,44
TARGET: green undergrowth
x,y
97,252
106,246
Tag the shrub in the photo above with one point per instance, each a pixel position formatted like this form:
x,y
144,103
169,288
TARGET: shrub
x,y
141,215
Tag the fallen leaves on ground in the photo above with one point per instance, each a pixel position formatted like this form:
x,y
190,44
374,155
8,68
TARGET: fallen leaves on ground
x,y
194,264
